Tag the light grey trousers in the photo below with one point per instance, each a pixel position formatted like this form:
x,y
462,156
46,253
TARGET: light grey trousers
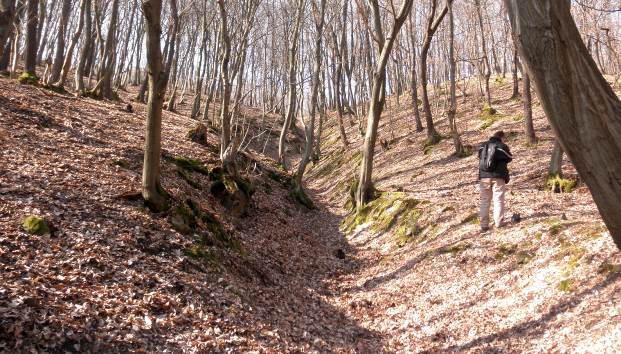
x,y
492,188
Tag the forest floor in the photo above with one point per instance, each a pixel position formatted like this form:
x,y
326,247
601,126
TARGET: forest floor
x,y
416,274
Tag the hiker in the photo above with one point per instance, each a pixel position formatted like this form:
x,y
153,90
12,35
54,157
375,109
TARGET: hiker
x,y
494,155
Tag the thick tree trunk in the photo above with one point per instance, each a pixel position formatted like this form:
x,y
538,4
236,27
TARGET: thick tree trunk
x,y
30,65
529,129
582,108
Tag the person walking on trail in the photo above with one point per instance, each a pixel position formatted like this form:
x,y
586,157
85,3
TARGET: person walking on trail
x,y
494,155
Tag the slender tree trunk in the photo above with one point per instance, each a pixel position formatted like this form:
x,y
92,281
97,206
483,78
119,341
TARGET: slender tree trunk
x,y
293,48
365,188
310,126
158,79
514,71
432,26
556,162
452,111
581,106
487,70
87,44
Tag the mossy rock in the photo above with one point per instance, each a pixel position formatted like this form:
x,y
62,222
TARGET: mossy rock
x,y
198,134
36,225
558,184
28,79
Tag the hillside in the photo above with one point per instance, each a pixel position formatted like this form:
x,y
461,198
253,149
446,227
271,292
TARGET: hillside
x,y
416,276
428,280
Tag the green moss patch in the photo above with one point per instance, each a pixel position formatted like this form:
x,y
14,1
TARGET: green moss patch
x,y
28,79
189,164
35,225
390,211
566,285
472,219
489,116
559,184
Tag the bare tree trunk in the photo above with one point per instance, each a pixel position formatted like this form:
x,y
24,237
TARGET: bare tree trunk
x,y
514,72
310,126
293,48
487,70
365,188
106,72
87,44
74,42
581,106
7,12
432,26
158,79
60,42
452,111
528,111
556,162
31,38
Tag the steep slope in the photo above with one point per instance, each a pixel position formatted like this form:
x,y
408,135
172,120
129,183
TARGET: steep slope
x,y
431,282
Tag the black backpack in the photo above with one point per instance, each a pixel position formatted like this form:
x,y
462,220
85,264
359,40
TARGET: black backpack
x,y
488,159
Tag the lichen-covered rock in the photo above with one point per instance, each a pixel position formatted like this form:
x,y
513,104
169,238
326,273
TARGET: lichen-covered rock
x,y
36,225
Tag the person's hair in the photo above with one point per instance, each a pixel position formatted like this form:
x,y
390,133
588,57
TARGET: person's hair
x,y
499,134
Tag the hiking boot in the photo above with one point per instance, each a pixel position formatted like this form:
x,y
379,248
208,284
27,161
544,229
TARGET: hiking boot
x,y
484,228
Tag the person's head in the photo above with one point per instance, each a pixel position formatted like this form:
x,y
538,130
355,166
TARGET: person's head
x,y
499,135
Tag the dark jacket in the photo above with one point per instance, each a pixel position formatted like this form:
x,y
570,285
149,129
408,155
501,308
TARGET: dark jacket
x,y
504,157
